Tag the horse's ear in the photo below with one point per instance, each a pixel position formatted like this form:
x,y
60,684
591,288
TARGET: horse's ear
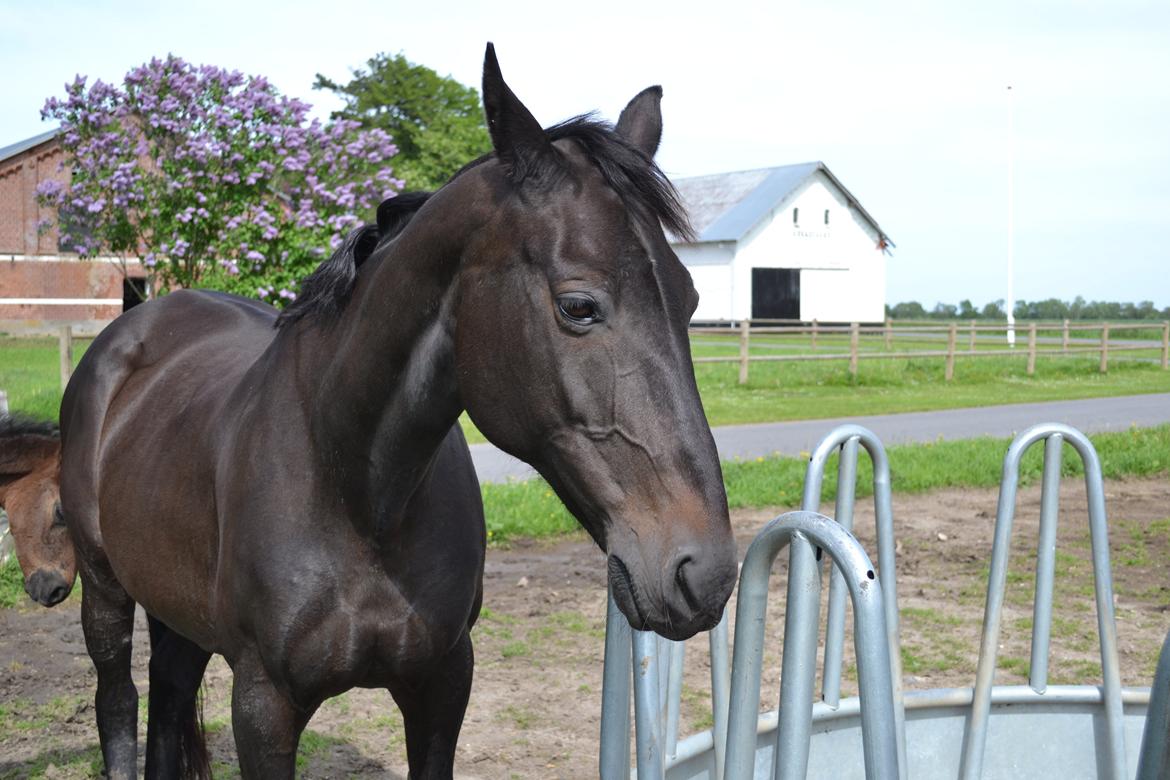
x,y
517,137
641,120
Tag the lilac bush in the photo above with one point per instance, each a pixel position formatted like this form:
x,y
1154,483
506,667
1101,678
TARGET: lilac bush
x,y
211,178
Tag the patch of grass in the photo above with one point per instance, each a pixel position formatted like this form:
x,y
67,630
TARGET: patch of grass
x,y
525,509
929,616
11,584
1017,666
82,762
515,649
521,716
24,715
30,374
313,744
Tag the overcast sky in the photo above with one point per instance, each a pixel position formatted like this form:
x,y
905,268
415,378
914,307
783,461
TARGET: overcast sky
x,y
906,102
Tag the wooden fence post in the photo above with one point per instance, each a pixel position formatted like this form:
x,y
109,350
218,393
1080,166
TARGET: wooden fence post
x,y
65,349
854,340
1105,348
971,341
951,334
1031,348
814,335
744,337
1165,346
889,334
1064,338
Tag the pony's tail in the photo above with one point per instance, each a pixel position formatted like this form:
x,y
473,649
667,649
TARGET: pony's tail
x,y
194,761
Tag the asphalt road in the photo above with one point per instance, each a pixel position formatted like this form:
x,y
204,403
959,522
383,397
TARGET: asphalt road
x,y
1093,415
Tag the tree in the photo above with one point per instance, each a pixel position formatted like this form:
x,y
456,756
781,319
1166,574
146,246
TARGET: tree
x,y
944,311
967,310
437,123
210,178
994,311
908,310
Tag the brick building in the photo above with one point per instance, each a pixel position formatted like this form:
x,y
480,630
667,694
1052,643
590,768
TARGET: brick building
x,y
42,285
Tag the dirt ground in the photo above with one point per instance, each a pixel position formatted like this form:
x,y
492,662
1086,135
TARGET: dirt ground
x,y
535,704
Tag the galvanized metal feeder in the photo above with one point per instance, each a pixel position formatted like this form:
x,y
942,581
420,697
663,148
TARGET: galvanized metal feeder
x,y
986,731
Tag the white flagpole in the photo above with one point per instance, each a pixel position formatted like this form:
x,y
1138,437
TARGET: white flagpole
x,y
1011,222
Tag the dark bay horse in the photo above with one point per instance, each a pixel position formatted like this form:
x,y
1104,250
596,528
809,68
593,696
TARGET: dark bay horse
x,y
300,498
29,456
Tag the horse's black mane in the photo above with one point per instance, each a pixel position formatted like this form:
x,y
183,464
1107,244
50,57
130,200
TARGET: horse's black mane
x,y
325,291
637,180
13,425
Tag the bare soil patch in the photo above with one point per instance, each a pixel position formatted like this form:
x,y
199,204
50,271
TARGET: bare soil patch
x,y
535,705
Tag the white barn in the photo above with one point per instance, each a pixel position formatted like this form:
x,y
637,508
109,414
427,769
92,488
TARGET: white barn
x,y
783,243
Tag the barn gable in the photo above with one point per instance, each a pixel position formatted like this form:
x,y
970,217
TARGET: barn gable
x,y
789,242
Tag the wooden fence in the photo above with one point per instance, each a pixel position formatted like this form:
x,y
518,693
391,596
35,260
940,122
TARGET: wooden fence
x,y
891,331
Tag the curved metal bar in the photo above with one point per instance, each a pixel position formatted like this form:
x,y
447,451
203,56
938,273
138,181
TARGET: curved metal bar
x,y
614,755
647,707
835,628
1154,759
674,695
720,691
877,705
975,738
1045,564
798,665
842,436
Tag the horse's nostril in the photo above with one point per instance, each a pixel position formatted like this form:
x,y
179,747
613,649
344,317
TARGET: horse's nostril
x,y
57,595
684,587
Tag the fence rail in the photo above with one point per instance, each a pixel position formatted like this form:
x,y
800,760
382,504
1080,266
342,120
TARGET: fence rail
x,y
1104,344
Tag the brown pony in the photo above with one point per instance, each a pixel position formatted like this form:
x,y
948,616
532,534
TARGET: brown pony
x,y
29,457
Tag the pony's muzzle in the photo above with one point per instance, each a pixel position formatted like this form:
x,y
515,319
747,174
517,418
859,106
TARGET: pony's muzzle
x,y
46,587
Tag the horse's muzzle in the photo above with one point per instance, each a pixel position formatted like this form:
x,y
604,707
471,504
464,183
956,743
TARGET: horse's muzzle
x,y
688,597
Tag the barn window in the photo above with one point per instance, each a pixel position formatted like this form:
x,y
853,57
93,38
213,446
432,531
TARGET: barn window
x,y
796,216
826,216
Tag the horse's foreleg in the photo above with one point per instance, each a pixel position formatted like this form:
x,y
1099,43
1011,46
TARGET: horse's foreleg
x,y
266,725
107,620
174,733
433,713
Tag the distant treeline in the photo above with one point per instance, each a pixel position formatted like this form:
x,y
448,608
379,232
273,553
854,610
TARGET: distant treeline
x,y
1050,309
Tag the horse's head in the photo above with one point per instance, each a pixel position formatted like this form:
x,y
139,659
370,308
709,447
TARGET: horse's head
x,y
29,495
573,354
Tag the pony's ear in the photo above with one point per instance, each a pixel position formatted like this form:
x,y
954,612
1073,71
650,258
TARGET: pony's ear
x,y
517,137
641,121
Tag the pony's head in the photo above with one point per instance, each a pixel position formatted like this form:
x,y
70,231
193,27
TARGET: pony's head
x,y
572,350
29,494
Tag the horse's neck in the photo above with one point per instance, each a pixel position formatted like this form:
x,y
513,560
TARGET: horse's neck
x,y
388,392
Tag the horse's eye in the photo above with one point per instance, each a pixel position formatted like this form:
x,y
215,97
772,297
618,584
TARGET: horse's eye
x,y
58,516
578,309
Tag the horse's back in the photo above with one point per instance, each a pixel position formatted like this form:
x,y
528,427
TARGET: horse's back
x,y
138,424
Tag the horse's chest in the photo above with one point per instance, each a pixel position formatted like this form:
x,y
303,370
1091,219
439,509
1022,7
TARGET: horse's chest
x,y
370,638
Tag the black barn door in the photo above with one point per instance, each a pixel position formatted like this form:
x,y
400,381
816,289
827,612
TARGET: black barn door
x,y
775,293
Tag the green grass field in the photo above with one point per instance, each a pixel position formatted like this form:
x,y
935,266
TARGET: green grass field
x,y
776,390
531,508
